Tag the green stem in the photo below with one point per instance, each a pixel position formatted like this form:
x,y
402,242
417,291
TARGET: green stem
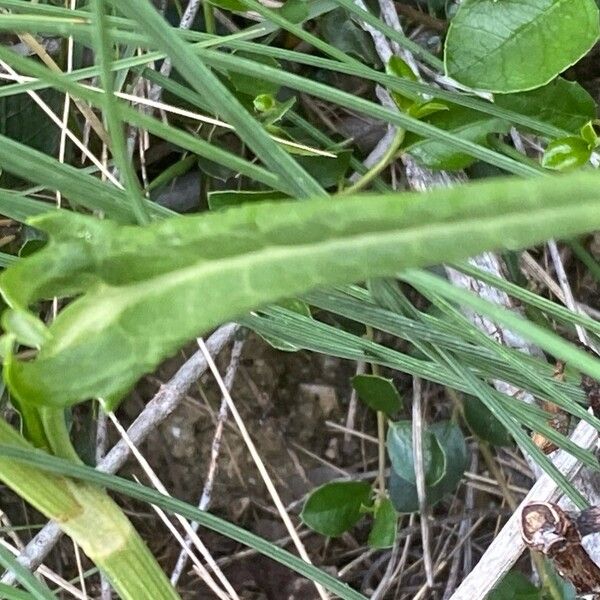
x,y
57,433
209,17
380,165
380,430
93,520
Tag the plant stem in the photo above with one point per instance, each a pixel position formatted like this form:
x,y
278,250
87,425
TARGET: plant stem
x,y
93,520
380,431
380,165
209,17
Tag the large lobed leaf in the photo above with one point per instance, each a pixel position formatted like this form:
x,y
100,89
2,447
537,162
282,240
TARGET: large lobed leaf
x,y
145,291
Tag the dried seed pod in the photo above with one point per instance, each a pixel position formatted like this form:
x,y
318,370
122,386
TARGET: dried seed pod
x,y
546,528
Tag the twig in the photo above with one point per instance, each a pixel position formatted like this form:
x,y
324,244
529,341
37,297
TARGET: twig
x,y
157,410
508,545
565,286
419,462
259,463
463,528
546,528
157,483
186,22
234,361
361,367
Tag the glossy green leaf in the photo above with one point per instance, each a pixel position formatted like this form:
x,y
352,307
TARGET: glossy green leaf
x,y
385,522
335,507
566,154
564,104
400,450
510,45
484,424
378,393
179,276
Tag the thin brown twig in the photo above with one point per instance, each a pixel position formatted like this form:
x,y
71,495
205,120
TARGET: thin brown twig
x,y
157,410
205,498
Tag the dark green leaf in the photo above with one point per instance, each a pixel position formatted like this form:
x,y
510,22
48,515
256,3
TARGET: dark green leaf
x,y
335,507
383,532
564,104
515,586
295,11
400,451
327,171
510,46
484,424
463,122
403,492
252,86
340,31
378,393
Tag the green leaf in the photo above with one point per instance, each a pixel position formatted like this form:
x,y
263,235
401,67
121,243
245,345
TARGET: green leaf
x,y
335,507
561,103
26,327
229,198
341,32
588,133
378,393
252,86
400,451
295,11
515,586
233,5
127,277
463,122
566,154
383,531
21,119
509,46
484,424
327,171
403,492
422,110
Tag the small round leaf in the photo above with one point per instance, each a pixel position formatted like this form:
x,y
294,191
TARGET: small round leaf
x,y
378,393
335,507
